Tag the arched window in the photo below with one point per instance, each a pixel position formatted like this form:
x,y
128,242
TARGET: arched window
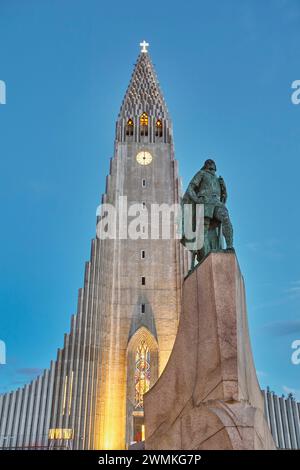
x,y
144,124
142,373
159,128
144,119
129,127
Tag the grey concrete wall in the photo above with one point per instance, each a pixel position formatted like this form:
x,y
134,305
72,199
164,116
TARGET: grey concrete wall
x,y
283,416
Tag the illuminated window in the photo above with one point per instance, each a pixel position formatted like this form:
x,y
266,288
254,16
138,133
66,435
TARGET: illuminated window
x,y
142,373
144,124
138,429
60,433
159,128
129,127
144,119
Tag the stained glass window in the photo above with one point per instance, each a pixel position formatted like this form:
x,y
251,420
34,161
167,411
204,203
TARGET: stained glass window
x,y
142,373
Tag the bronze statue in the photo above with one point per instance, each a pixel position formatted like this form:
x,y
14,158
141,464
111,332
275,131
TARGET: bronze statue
x,y
208,189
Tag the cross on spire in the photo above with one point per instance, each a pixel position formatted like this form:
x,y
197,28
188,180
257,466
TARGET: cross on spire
x,y
144,46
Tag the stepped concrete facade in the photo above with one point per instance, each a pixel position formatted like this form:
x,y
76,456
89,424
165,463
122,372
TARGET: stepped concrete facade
x,y
130,301
283,417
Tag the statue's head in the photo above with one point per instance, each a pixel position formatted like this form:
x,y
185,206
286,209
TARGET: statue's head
x,y
210,165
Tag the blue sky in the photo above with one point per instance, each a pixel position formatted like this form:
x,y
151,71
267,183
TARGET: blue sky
x,y
226,69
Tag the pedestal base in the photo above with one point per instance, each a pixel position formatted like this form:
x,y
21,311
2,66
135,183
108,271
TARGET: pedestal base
x,y
208,396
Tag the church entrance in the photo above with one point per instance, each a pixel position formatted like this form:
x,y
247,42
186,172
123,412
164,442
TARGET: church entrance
x,y
142,373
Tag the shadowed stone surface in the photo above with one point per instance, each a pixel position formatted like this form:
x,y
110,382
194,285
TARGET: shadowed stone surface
x,y
208,396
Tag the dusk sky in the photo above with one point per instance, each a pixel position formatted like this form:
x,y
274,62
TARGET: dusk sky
x,y
226,69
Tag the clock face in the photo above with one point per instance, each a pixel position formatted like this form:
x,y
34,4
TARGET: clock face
x,y
144,157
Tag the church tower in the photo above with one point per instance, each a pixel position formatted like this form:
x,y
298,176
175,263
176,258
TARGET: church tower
x,y
140,318
128,309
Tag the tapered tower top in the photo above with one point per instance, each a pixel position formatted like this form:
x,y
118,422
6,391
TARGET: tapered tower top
x,y
143,111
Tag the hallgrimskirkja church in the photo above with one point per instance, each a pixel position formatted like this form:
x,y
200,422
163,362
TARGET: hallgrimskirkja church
x,y
120,339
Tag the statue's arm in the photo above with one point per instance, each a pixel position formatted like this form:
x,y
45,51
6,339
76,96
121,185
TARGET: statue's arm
x,y
223,190
193,186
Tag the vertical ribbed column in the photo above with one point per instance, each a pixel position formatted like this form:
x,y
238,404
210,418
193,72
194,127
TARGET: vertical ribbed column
x,y
291,423
42,408
76,361
278,420
96,342
283,419
56,404
296,415
24,407
78,366
273,419
34,438
84,366
70,374
90,372
16,417
10,415
3,421
49,401
29,413
286,431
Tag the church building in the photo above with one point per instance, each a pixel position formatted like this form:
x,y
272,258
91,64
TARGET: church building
x,y
128,310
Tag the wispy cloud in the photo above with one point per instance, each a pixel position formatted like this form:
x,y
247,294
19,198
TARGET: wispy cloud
x,y
270,304
270,248
283,328
287,294
294,290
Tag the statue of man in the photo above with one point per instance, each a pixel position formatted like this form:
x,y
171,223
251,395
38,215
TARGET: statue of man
x,y
208,189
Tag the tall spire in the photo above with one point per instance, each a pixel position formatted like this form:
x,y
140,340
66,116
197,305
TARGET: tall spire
x,y
144,115
143,93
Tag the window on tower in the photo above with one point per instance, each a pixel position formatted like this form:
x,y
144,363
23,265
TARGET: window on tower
x,y
144,124
144,119
143,281
159,128
142,373
129,127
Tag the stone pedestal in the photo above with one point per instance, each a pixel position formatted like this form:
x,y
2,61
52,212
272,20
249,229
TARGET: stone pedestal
x,y
208,396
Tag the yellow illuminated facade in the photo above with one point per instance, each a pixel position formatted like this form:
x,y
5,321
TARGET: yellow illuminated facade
x,y
60,433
